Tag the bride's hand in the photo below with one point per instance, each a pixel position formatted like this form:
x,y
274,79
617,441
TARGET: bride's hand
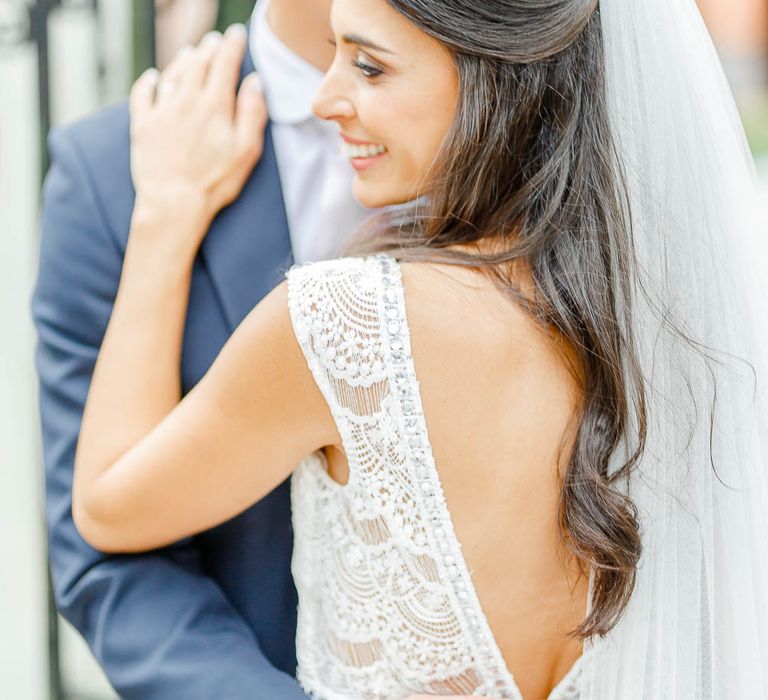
x,y
194,137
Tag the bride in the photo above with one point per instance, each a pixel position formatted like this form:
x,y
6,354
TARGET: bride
x,y
524,415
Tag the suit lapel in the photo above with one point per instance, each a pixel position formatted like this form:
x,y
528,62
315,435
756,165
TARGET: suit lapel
x,y
248,246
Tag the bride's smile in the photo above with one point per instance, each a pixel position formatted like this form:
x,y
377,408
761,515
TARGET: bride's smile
x,y
362,154
390,87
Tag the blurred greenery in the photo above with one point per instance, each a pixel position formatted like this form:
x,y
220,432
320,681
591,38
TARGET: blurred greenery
x,y
231,11
142,53
756,123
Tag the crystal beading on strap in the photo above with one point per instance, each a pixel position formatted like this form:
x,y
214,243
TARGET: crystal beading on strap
x,y
450,560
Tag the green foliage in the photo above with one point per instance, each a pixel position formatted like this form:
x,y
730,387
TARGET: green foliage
x,y
231,11
143,56
756,125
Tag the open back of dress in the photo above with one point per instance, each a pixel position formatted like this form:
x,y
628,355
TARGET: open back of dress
x,y
387,607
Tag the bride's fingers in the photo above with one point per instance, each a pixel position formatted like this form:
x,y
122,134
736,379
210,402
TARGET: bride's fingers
x,y
185,76
224,71
142,98
187,72
250,119
199,65
172,78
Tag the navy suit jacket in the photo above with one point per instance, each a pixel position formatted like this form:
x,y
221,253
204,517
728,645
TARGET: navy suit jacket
x,y
213,616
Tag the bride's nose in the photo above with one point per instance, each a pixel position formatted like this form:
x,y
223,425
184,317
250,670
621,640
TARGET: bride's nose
x,y
333,100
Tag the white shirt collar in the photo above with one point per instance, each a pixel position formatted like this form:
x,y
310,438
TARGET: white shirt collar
x,y
290,83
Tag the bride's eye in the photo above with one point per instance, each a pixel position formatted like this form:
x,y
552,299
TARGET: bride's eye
x,y
368,70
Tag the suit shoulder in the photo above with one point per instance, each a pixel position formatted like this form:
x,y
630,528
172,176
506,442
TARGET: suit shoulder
x,y
100,137
90,162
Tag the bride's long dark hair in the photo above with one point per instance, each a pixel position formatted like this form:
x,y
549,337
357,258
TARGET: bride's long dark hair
x,y
529,164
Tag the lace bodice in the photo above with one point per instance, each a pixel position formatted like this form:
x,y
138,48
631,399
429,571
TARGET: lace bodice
x,y
387,607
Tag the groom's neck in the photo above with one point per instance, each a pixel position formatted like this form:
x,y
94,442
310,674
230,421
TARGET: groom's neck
x,y
304,27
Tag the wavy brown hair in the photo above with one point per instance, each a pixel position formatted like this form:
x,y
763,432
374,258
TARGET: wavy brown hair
x,y
529,167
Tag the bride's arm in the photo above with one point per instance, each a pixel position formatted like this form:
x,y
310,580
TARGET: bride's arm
x,y
150,468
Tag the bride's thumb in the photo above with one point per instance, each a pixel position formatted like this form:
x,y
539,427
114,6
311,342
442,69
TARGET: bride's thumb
x,y
251,116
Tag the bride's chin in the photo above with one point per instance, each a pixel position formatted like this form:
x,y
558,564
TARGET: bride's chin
x,y
375,195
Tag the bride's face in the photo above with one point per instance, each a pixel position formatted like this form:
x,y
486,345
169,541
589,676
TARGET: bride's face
x,y
392,90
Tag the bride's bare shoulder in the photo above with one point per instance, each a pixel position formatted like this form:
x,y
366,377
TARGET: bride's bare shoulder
x,y
481,357
452,306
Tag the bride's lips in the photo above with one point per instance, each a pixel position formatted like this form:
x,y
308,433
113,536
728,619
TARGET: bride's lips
x,y
362,154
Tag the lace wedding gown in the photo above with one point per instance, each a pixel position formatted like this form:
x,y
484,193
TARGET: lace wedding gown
x,y
387,607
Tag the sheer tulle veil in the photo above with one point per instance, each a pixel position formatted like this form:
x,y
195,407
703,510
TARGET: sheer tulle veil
x,y
697,623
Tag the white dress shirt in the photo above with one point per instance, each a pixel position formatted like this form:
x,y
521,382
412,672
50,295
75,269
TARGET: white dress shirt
x,y
316,177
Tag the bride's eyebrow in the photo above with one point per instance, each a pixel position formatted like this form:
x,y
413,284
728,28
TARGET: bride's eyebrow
x,y
362,41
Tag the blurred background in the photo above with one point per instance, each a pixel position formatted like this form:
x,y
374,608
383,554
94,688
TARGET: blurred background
x,y
60,59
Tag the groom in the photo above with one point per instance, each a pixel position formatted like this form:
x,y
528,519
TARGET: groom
x,y
214,616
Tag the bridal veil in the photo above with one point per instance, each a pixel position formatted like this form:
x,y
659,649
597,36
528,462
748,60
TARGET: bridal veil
x,y
697,623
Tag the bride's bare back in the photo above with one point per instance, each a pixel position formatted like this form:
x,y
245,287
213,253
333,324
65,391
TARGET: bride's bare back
x,y
500,405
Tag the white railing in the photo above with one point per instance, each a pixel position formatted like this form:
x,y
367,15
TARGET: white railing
x,y
75,36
